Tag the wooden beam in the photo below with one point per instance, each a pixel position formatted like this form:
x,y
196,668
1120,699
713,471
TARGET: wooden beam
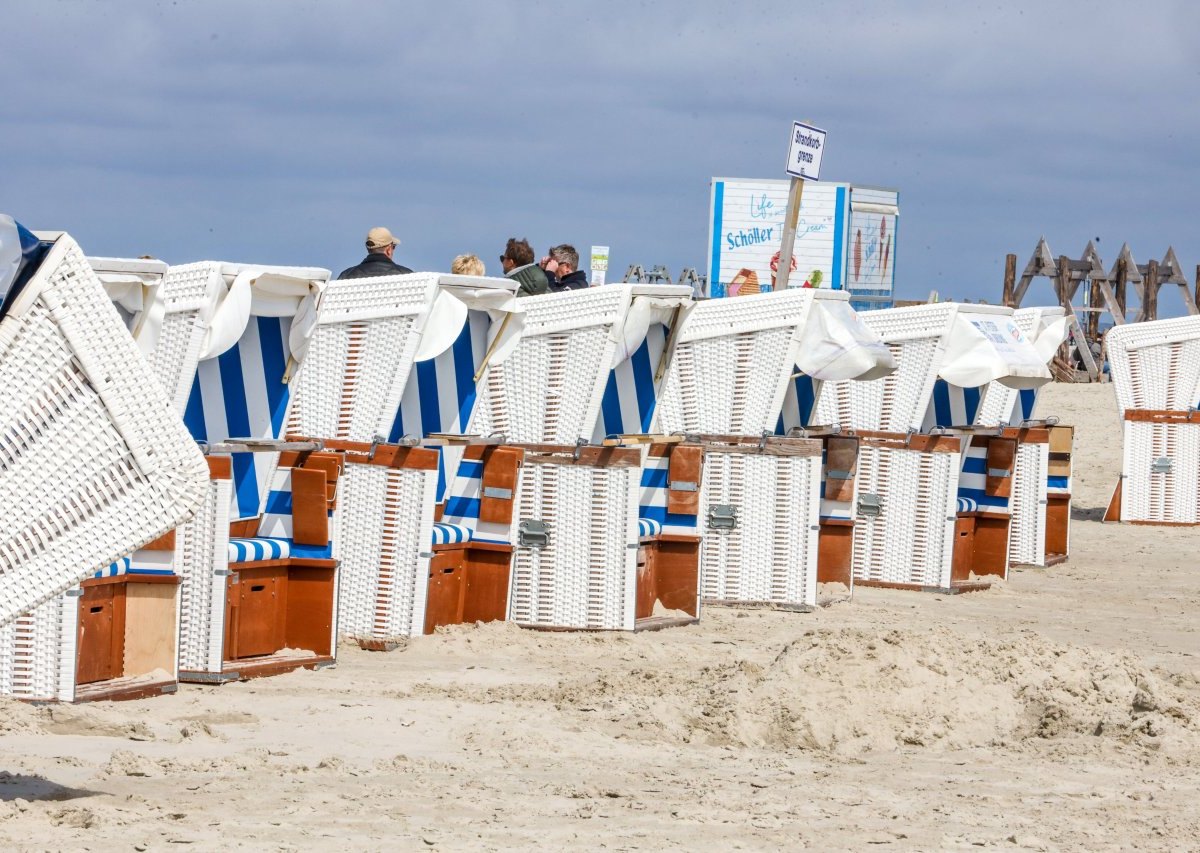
x,y
1010,281
1121,280
1041,263
1151,291
1062,283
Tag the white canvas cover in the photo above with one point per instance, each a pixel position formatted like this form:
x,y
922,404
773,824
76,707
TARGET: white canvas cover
x,y
837,346
982,348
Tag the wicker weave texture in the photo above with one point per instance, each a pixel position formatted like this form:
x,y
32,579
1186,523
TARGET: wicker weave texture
x,y
586,576
897,402
386,521
783,309
202,548
1027,531
1151,493
771,555
94,461
911,540
37,651
731,384
1156,365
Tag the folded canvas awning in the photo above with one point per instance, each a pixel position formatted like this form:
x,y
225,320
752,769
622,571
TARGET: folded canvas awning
x,y
837,346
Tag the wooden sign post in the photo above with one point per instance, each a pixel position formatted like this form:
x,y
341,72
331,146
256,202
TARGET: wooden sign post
x,y
805,147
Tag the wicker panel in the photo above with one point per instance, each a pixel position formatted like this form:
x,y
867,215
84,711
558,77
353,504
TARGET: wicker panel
x,y
586,576
910,541
94,461
771,555
1027,532
1156,365
897,402
37,651
202,548
1163,496
385,525
564,312
784,309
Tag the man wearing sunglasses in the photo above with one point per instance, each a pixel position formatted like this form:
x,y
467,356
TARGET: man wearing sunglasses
x,y
518,265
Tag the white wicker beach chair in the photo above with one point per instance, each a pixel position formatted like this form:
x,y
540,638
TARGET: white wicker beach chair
x,y
733,373
1155,369
586,365
954,533
95,463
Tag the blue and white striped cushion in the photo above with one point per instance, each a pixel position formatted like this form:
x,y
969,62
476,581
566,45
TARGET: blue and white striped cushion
x,y
120,567
450,534
967,505
261,548
648,527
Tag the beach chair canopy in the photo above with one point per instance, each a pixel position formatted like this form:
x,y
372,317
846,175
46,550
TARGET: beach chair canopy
x,y
1156,364
1045,328
94,461
20,252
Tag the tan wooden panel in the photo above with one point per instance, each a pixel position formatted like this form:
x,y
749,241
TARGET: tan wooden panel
x,y
150,627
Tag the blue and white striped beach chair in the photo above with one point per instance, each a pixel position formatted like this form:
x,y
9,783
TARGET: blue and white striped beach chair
x,y
731,376
94,462
927,541
541,498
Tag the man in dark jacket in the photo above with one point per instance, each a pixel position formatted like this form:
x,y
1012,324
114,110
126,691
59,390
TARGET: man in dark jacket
x,y
562,269
518,265
380,247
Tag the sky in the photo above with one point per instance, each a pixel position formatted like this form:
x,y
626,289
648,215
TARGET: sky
x,y
279,131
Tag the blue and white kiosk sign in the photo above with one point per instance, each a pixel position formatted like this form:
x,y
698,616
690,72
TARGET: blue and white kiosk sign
x,y
804,152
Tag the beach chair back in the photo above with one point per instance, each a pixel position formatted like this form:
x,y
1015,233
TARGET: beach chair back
x,y
1156,365
94,461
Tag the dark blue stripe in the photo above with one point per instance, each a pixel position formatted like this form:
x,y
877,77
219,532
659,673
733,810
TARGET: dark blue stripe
x,y
716,287
312,552
983,498
655,478
274,362
971,399
193,415
472,468
427,396
464,376
237,421
149,572
941,404
1058,482
660,514
839,227
460,507
441,483
279,503
397,432
806,397
610,406
1028,396
643,384
975,465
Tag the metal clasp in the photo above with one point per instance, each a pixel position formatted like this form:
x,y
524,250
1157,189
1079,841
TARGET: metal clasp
x,y
870,505
1161,465
533,533
722,517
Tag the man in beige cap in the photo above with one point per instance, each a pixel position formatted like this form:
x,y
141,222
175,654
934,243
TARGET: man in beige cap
x,y
380,246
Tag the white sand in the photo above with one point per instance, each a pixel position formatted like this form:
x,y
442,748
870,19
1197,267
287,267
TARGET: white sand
x,y
1058,711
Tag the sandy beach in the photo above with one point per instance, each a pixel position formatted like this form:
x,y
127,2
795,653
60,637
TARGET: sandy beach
x,y
1058,711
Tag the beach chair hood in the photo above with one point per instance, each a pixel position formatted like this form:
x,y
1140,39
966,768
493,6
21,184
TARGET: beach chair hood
x,y
260,292
457,297
837,346
982,348
646,311
19,249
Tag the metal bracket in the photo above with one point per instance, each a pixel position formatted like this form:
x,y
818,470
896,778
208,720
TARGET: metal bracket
x,y
533,533
1161,465
683,486
722,517
870,505
580,443
497,493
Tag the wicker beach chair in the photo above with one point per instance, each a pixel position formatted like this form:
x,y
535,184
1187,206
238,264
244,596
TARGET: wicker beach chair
x,y
934,507
536,499
765,502
1155,369
95,463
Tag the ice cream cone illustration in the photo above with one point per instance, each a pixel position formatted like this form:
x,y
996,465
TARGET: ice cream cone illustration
x,y
744,283
857,253
887,250
814,279
775,267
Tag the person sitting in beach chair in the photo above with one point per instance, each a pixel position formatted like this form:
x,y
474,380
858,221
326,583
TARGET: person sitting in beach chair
x,y
562,269
380,247
517,262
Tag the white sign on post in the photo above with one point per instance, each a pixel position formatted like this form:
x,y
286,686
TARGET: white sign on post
x,y
599,265
804,152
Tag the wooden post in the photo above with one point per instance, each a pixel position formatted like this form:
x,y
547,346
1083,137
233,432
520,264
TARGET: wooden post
x,y
1151,308
1198,284
788,243
1122,280
1062,283
1010,281
1095,300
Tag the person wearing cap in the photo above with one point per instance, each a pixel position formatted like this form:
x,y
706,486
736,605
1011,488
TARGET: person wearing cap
x,y
380,246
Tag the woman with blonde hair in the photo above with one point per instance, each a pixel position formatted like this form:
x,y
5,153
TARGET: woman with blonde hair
x,y
467,265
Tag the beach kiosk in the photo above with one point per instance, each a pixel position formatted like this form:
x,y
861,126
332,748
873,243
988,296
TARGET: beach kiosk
x,y
95,463
933,503
1155,370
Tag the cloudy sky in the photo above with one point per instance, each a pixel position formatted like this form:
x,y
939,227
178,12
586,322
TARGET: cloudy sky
x,y
279,131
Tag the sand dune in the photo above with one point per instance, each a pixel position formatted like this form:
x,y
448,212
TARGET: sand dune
x,y
1059,711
